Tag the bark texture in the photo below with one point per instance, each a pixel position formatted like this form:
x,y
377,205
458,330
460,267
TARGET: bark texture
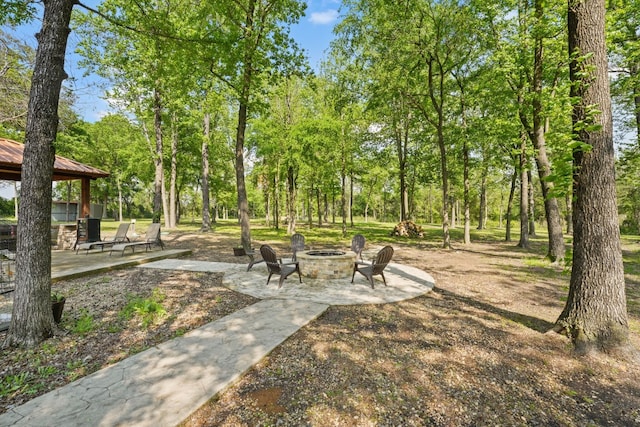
x,y
158,180
206,206
595,316
32,319
524,195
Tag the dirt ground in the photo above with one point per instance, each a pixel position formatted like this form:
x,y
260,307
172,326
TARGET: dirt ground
x,y
475,351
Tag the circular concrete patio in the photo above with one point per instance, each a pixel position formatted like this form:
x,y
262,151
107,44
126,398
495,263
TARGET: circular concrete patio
x,y
404,282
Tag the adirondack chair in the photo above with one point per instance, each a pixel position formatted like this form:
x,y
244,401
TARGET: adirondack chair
x,y
357,245
376,267
297,245
276,266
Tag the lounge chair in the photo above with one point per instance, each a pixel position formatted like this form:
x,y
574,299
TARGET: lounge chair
x,y
376,267
120,237
276,266
151,238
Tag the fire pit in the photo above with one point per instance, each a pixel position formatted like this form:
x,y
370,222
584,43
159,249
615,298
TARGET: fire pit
x,y
326,263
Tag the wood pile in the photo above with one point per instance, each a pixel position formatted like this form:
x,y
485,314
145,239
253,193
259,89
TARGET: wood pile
x,y
407,229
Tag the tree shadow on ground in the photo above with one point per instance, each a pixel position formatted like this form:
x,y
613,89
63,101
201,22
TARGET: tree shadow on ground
x,y
534,323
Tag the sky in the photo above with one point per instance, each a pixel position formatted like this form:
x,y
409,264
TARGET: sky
x,y
313,34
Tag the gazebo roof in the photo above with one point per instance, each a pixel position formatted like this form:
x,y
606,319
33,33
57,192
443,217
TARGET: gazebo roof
x,y
63,168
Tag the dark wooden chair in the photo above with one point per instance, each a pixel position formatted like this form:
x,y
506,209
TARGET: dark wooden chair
x,y
276,266
357,245
376,268
297,245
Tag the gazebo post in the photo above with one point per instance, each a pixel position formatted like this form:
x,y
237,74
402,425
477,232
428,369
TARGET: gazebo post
x,y
85,196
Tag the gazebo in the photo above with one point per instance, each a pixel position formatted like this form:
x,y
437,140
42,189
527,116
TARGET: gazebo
x,y
63,170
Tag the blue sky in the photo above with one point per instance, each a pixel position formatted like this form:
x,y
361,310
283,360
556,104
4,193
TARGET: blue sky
x,y
315,30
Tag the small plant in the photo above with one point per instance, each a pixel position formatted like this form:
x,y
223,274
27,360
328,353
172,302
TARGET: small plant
x,y
56,297
47,371
85,323
75,369
48,348
13,384
149,309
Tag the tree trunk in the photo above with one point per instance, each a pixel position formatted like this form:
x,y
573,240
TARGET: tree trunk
x,y
569,215
532,201
524,195
243,201
343,180
509,213
32,318
351,199
467,217
173,200
430,202
319,205
436,95
276,199
244,95
326,208
206,219
483,199
158,182
454,218
310,207
500,210
595,315
333,207
291,200
119,186
401,136
465,166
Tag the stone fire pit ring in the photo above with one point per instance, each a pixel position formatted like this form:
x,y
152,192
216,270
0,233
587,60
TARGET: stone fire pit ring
x,y
326,263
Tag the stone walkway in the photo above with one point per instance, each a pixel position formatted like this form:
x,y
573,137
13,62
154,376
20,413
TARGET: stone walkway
x,y
163,385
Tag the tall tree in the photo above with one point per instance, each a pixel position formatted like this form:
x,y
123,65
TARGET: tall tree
x,y
536,133
259,46
32,319
206,139
595,315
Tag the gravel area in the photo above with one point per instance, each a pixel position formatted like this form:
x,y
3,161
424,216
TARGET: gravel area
x,y
474,352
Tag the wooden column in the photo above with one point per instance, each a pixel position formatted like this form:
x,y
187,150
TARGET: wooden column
x,y
86,198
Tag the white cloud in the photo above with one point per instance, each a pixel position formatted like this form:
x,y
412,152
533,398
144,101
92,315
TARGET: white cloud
x,y
323,18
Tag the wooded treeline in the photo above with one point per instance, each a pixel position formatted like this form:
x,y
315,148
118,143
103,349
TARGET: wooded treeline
x,y
442,112
434,110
